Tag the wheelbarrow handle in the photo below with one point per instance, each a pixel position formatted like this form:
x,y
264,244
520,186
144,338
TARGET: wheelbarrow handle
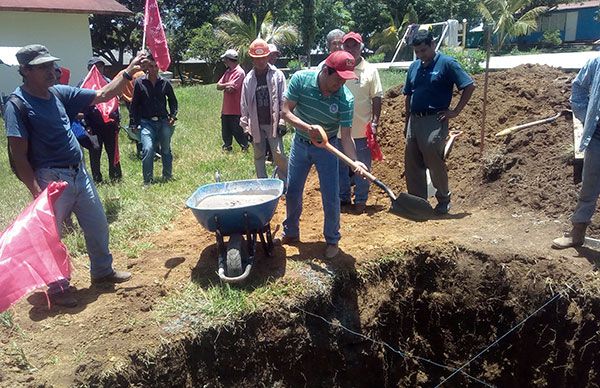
x,y
323,142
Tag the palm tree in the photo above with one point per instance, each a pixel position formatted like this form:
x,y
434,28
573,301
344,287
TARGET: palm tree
x,y
509,18
237,34
387,40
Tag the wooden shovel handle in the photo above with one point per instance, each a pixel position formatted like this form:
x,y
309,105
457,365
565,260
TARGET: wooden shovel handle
x,y
323,142
531,124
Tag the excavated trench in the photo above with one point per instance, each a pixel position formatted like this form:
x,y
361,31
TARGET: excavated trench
x,y
407,321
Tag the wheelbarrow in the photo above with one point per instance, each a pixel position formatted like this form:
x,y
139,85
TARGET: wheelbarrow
x,y
241,210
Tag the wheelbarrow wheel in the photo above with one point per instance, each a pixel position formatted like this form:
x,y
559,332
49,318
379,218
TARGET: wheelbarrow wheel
x,y
234,255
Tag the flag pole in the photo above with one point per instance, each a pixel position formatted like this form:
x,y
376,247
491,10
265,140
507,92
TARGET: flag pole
x,y
145,24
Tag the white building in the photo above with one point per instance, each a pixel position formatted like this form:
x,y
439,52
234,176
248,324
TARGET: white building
x,y
60,25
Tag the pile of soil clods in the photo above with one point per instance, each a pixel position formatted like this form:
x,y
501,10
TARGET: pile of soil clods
x,y
528,171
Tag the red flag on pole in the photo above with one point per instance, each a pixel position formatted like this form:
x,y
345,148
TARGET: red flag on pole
x,y
155,35
31,253
95,80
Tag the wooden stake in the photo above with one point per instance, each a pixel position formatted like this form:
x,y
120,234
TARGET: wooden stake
x,y
485,88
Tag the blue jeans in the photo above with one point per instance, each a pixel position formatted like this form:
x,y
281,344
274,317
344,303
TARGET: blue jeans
x,y
302,156
590,186
154,132
361,186
80,197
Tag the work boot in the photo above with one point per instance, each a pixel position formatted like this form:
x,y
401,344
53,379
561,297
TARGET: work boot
x,y
331,251
115,277
63,299
359,208
574,238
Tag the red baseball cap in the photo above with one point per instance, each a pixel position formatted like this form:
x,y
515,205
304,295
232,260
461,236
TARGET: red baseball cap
x,y
352,35
343,63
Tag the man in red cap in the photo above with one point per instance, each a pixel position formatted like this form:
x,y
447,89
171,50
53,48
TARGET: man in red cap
x,y
367,92
319,98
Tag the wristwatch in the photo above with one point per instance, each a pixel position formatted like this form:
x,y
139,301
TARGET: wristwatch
x,y
127,76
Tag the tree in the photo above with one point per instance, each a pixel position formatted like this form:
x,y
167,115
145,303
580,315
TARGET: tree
x,y
236,33
510,18
119,33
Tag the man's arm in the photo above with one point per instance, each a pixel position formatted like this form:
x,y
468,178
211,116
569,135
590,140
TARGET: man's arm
x,y
580,91
115,87
407,110
18,150
173,105
465,96
244,111
290,117
375,113
348,144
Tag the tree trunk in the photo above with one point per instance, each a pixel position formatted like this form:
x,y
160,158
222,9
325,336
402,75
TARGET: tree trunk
x,y
308,26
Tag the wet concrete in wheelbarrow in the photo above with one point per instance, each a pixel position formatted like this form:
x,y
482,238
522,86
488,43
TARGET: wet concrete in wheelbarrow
x,y
435,292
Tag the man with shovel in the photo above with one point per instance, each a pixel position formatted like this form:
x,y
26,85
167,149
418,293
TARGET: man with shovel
x,y
429,84
585,102
313,99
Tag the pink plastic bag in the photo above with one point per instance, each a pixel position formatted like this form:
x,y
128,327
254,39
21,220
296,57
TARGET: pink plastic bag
x,y
376,153
31,253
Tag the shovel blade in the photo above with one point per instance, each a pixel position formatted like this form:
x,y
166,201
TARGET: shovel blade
x,y
412,207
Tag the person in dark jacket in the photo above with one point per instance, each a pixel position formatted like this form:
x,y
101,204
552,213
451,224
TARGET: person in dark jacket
x,y
156,124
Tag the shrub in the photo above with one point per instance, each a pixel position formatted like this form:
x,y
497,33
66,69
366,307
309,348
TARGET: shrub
x,y
469,59
376,58
551,38
294,65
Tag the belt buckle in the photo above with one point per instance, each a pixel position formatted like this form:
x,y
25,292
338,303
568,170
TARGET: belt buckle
x,y
154,118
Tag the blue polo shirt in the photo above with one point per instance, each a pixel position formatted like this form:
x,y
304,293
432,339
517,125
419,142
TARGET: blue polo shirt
x,y
51,143
314,108
431,87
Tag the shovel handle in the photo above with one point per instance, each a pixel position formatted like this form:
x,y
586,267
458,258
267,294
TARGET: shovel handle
x,y
531,124
323,142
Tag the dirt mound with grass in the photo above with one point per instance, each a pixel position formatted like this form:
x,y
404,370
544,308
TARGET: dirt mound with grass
x,y
528,171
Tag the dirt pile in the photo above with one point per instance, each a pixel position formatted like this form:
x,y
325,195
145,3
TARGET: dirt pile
x,y
528,171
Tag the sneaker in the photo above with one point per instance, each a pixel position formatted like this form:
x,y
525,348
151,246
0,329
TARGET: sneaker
x,y
63,299
115,277
331,251
286,240
360,208
442,208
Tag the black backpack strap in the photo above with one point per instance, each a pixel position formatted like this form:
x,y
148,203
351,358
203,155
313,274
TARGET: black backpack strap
x,y
23,113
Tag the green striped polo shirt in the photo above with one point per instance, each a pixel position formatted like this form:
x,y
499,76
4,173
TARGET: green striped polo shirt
x,y
314,108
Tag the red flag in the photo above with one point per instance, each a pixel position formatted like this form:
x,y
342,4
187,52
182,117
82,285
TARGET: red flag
x,y
31,253
376,153
95,80
155,36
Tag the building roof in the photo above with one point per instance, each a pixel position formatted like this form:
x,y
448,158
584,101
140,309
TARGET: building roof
x,y
69,6
574,5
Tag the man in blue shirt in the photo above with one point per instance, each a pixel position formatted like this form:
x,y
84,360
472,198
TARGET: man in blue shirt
x,y
585,102
319,98
44,149
428,89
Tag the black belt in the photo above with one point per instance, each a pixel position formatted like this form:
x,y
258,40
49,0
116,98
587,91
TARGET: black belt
x,y
429,112
310,141
69,166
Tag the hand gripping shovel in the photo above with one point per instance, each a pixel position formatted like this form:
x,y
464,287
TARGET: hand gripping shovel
x,y
405,205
